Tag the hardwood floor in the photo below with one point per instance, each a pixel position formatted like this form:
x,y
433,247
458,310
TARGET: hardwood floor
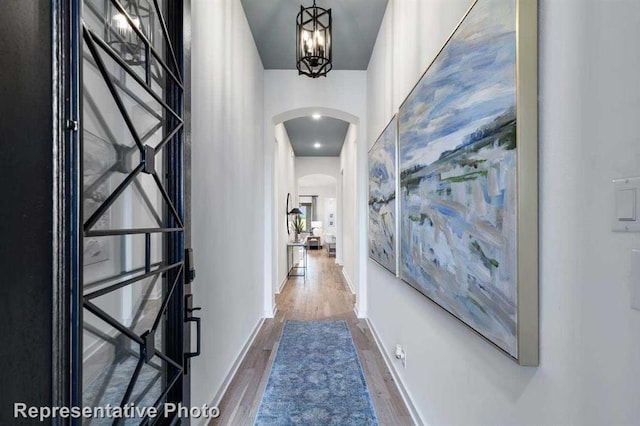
x,y
323,295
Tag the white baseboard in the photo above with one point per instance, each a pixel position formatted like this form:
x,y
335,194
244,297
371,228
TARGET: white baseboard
x,y
234,369
359,313
281,286
349,284
394,372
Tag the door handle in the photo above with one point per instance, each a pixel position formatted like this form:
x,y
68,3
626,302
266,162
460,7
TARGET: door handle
x,y
198,336
188,319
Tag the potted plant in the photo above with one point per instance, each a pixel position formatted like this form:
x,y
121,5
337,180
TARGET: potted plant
x,y
298,227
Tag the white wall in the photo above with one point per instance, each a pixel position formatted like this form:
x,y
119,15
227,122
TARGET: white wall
x,y
306,166
285,182
589,371
228,166
348,247
339,93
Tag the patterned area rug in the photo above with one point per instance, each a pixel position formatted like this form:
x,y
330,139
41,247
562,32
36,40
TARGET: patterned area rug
x,y
316,379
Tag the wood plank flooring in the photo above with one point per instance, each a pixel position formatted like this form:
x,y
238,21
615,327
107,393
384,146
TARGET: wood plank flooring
x,y
323,295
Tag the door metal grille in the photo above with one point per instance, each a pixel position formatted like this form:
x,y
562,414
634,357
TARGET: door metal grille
x,y
130,311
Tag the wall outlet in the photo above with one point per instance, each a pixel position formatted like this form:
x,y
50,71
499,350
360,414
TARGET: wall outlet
x,y
401,355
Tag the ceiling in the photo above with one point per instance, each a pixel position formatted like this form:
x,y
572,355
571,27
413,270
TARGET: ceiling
x,y
355,28
304,132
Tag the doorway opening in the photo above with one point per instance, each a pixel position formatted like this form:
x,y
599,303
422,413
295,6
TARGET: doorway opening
x,y
294,161
318,204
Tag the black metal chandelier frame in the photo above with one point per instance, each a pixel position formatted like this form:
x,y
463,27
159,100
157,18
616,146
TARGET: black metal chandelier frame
x,y
313,41
119,33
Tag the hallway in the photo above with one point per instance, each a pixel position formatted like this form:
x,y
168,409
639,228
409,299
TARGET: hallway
x,y
475,162
323,296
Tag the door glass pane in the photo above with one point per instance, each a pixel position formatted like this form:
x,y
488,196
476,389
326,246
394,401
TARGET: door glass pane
x,y
140,205
127,212
111,267
105,21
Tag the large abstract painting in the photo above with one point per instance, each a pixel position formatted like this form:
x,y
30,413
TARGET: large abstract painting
x,y
459,153
382,198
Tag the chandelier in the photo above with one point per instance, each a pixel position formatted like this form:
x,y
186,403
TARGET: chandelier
x,y
313,41
119,32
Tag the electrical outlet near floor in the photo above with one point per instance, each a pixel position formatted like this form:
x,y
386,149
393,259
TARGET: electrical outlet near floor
x,y
401,354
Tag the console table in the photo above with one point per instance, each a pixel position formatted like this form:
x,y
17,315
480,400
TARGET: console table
x,y
291,267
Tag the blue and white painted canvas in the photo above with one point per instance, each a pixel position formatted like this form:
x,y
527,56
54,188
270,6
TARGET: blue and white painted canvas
x,y
382,198
458,166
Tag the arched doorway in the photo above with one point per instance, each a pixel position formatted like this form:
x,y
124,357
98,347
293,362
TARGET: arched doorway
x,y
279,164
317,199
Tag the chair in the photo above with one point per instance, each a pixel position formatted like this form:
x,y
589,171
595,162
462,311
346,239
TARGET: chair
x,y
313,242
330,244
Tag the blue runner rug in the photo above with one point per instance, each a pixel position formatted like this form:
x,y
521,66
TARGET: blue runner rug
x,y
316,379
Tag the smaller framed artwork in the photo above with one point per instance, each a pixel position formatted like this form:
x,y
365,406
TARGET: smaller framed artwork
x,y
330,223
382,198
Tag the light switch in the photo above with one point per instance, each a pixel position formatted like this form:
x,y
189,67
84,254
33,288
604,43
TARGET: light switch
x,y
626,204
626,209
635,279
